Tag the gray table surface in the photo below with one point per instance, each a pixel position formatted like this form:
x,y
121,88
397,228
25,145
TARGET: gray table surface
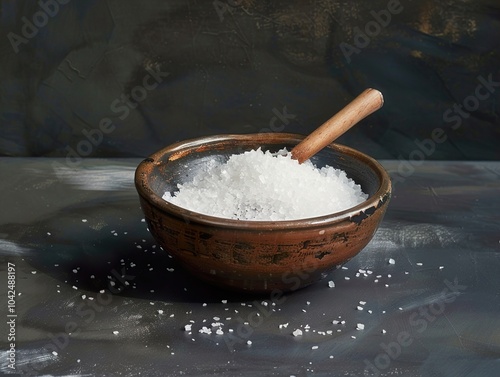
x,y
95,296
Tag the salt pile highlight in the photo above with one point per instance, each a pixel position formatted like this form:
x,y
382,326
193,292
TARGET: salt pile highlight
x,y
261,186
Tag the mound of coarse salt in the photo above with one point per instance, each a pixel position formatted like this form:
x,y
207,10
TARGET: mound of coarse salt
x,y
258,185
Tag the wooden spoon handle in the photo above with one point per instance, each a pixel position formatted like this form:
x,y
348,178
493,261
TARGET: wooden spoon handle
x,y
363,105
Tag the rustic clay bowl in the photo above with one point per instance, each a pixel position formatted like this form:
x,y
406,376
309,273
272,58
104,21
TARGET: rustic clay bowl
x,y
258,256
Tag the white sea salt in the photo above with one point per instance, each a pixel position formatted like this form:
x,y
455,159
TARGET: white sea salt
x,y
258,185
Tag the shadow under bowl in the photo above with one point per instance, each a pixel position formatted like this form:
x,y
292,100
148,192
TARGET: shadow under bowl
x,y
258,256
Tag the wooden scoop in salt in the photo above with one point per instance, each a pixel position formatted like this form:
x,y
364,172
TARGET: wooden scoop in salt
x,y
363,105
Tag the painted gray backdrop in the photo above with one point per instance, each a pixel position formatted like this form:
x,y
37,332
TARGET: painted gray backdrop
x,y
124,78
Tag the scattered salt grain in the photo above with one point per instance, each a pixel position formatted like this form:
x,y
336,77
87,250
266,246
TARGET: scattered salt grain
x,y
441,267
392,261
205,330
331,284
360,326
314,347
116,332
297,332
249,342
420,264
188,327
383,331
256,185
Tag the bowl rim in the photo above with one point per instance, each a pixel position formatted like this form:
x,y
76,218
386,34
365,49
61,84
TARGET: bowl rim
x,y
181,148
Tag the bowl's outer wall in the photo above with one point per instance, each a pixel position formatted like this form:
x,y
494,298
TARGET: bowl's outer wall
x,y
257,260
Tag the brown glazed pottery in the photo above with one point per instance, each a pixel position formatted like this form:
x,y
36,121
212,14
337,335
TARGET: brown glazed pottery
x,y
258,256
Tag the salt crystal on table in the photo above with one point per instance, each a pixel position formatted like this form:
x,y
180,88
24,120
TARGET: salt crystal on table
x,y
258,185
392,261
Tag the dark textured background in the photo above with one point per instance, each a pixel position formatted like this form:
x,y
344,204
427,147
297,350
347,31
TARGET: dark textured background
x,y
232,66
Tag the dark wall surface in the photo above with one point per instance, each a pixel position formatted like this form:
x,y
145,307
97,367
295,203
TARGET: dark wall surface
x,y
125,78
